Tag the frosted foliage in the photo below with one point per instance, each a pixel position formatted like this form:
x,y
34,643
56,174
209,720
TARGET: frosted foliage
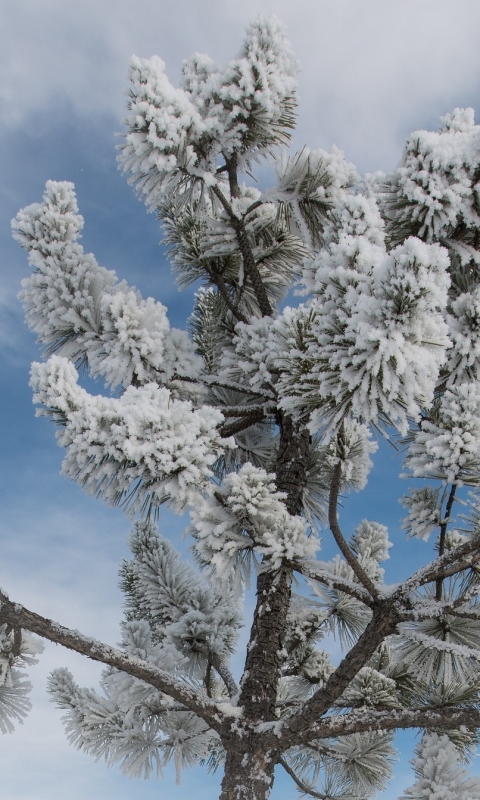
x,y
252,359
176,622
140,449
142,741
247,514
448,446
371,688
423,512
352,448
80,310
374,341
355,239
439,773
184,611
17,650
240,108
370,544
309,185
436,185
464,328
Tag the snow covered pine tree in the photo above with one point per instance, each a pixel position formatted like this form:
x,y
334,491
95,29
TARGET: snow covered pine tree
x,y
257,420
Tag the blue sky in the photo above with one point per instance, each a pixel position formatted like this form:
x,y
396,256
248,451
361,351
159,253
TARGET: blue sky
x,y
373,70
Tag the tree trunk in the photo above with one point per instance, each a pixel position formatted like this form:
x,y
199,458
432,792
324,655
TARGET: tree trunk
x,y
248,772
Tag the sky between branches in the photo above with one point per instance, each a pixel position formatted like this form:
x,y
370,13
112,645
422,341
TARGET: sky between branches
x,y
372,71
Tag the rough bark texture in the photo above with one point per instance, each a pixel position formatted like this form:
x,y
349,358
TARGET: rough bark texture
x,y
248,771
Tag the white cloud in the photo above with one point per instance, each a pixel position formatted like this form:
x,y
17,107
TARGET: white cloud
x,y
371,70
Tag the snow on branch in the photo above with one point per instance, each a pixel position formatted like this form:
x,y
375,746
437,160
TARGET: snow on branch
x,y
19,617
81,311
138,450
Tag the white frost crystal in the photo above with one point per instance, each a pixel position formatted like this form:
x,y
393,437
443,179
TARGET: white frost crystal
x,y
141,448
247,513
374,337
448,446
440,775
80,310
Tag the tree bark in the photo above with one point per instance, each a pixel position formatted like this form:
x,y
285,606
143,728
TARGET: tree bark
x,y
249,771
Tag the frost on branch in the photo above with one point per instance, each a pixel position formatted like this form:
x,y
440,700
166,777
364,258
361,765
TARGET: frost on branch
x,y
434,192
439,772
245,516
18,648
447,446
370,544
184,612
424,511
242,109
81,311
372,340
138,450
177,622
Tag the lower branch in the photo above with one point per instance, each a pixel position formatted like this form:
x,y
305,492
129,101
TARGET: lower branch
x,y
19,617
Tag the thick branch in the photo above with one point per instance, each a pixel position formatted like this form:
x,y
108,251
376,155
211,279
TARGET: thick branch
x,y
221,286
338,535
449,563
20,617
383,623
368,720
239,411
241,424
211,381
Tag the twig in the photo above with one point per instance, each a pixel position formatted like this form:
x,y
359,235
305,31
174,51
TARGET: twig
x,y
304,787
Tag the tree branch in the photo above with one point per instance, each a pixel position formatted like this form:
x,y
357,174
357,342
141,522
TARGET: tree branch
x,y
232,386
221,286
384,621
20,617
241,424
249,263
311,572
443,533
338,535
304,787
238,411
448,564
365,720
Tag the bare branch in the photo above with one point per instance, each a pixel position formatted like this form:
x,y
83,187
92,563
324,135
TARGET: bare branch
x,y
211,381
442,540
222,288
239,411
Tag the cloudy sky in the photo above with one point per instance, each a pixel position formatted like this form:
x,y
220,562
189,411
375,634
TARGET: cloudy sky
x,y
373,70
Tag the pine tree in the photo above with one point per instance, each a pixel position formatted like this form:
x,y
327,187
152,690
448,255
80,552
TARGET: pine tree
x,y
257,420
